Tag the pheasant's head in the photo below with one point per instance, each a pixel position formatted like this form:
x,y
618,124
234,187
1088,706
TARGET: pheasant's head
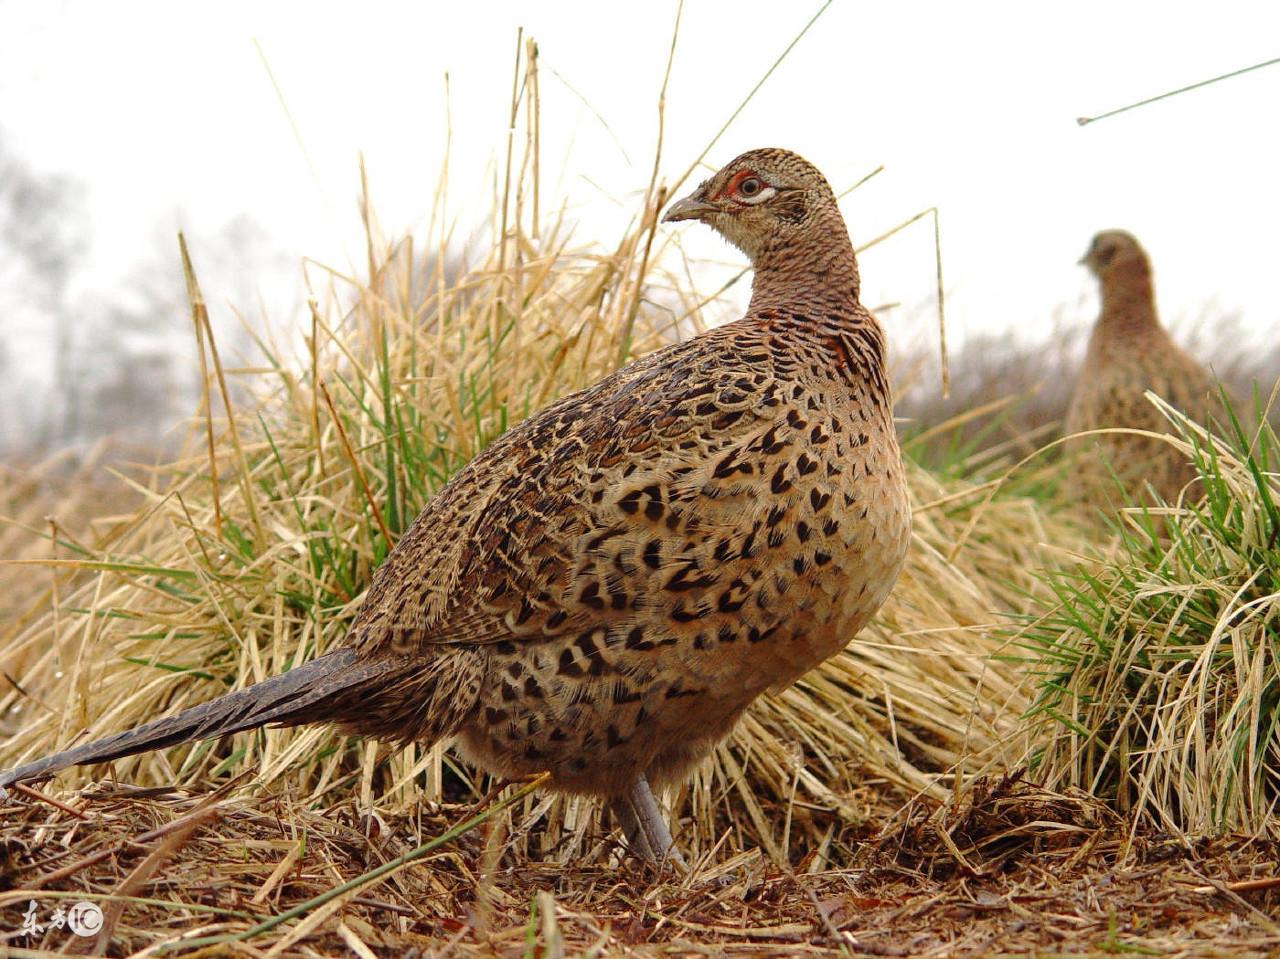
x,y
762,199
1112,250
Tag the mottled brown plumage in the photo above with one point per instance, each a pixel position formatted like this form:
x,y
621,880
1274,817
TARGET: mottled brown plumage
x,y
604,590
1130,353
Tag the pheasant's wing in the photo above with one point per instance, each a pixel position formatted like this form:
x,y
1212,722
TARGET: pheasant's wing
x,y
564,520
1192,388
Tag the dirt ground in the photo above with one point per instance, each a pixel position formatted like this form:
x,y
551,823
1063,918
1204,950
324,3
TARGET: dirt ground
x,y
1009,870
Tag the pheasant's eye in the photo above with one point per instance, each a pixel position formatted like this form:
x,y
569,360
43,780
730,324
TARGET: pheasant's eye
x,y
748,189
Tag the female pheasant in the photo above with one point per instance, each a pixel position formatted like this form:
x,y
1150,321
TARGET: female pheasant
x,y
603,591
1130,353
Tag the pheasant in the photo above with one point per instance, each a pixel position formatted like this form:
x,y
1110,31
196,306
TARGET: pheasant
x,y
603,591
1130,353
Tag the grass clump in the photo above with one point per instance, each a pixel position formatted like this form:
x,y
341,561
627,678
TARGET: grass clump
x,y
1160,666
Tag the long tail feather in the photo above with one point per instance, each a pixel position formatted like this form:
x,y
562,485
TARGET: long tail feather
x,y
297,696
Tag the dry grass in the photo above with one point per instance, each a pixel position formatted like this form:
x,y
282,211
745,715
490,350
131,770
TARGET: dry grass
x,y
866,809
64,506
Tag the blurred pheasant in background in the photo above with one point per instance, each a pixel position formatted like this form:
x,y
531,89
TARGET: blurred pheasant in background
x,y
1130,353
603,591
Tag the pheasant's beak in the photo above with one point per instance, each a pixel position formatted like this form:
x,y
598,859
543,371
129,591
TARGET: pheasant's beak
x,y
688,208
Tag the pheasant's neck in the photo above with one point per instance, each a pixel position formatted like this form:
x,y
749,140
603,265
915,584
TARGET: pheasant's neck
x,y
1128,301
817,270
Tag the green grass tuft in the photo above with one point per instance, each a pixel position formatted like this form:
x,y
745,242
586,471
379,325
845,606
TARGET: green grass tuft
x,y
1160,666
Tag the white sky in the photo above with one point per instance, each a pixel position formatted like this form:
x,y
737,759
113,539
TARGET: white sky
x,y
166,113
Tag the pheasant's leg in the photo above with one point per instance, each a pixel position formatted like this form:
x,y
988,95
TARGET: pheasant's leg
x,y
642,823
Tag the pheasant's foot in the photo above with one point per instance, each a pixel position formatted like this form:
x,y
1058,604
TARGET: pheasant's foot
x,y
643,826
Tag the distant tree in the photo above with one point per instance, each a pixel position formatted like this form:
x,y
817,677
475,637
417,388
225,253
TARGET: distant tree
x,y
42,229
120,363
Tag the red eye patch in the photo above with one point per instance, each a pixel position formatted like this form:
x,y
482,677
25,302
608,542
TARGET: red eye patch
x,y
734,182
